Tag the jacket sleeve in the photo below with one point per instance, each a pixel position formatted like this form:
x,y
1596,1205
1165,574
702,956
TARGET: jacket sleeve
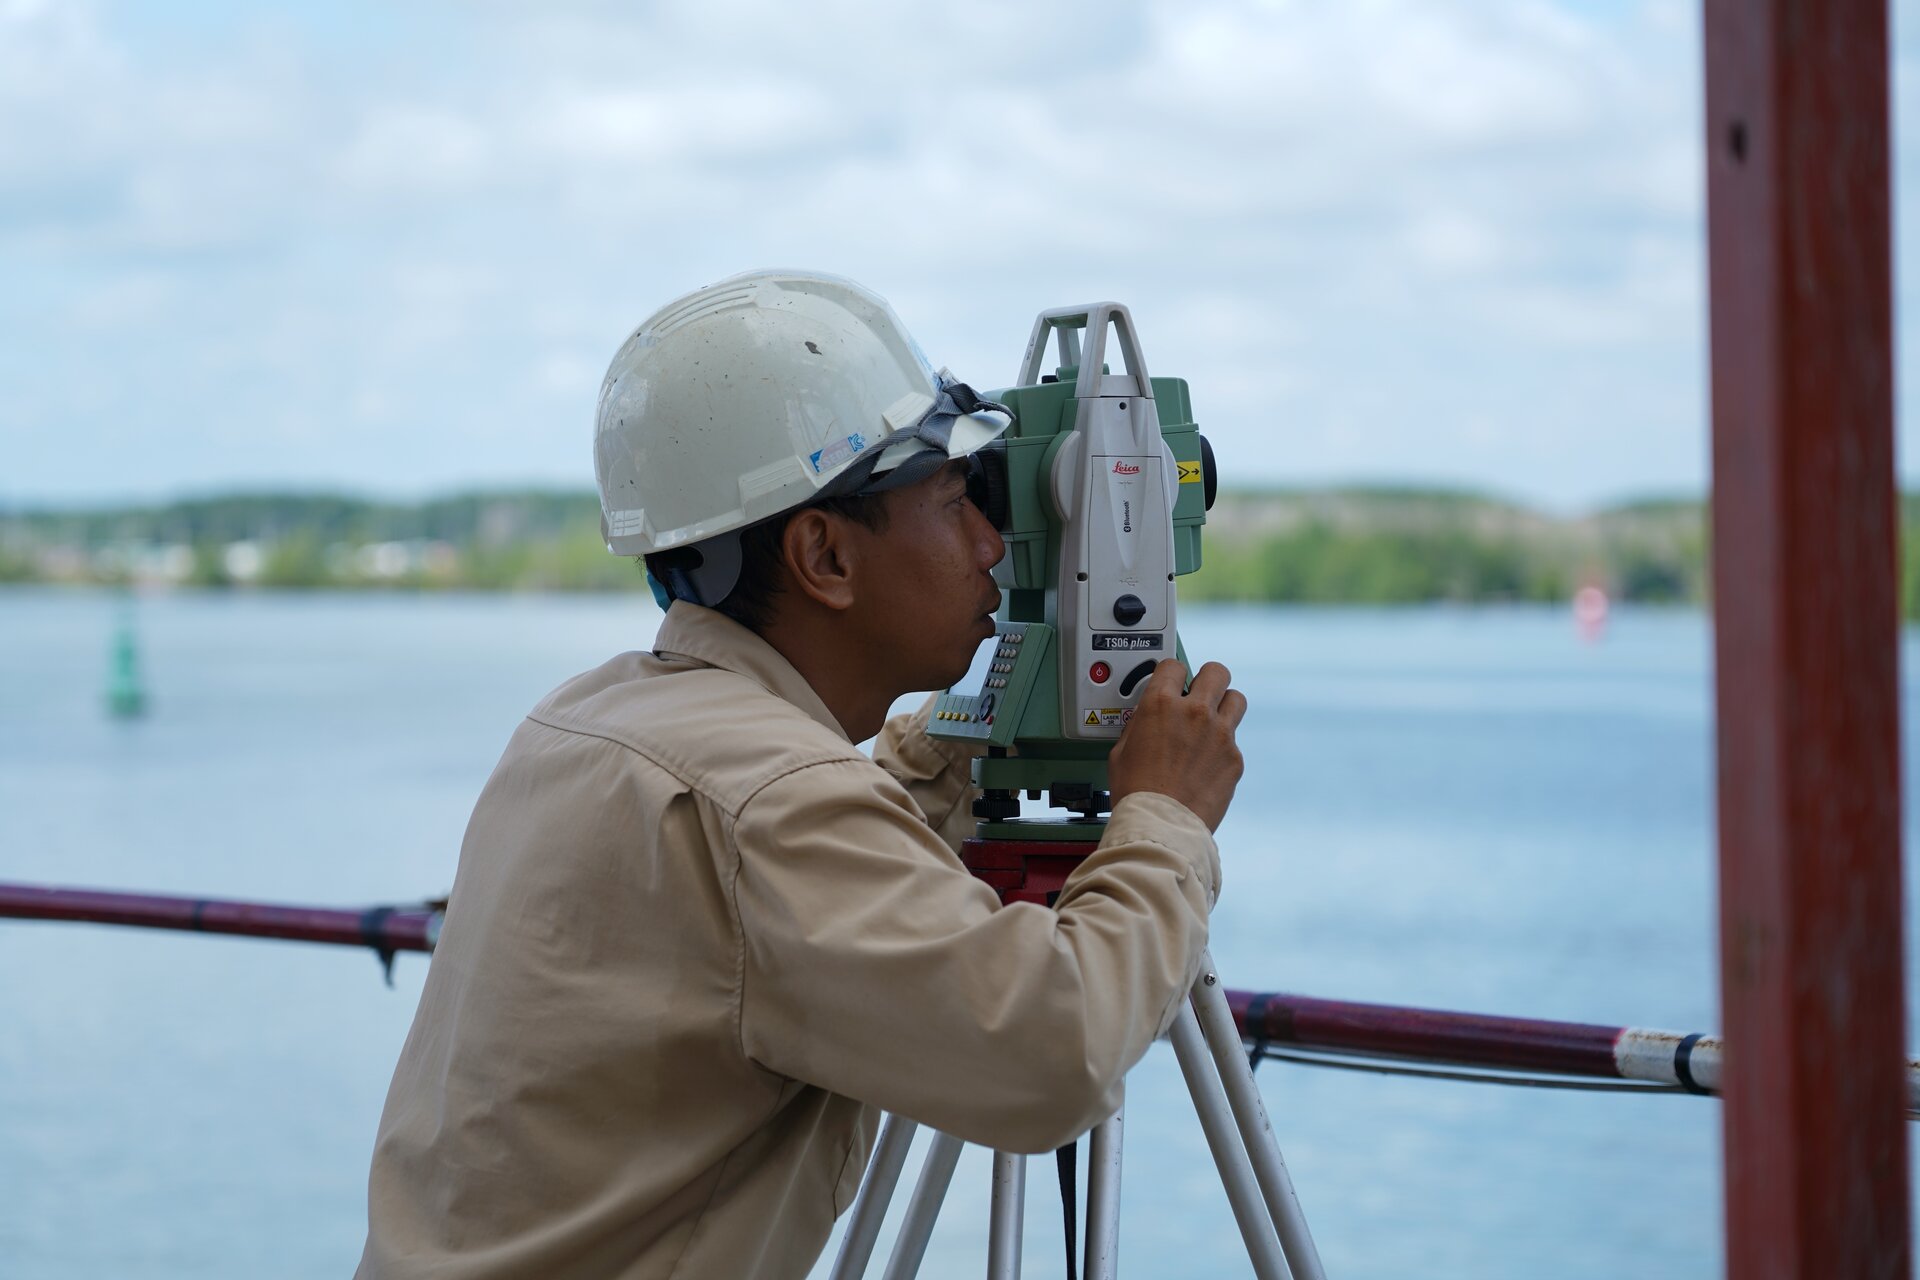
x,y
937,774
875,966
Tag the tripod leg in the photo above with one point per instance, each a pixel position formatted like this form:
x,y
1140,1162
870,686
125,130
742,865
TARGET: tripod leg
x,y
1103,1200
876,1192
917,1228
1006,1222
1263,1150
1216,1121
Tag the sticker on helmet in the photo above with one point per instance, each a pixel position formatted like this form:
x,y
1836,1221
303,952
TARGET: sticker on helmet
x,y
836,453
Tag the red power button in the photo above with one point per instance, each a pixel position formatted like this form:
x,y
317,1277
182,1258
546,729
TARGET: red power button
x,y
1099,673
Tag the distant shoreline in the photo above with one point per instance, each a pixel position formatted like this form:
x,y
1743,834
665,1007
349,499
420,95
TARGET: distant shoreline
x,y
150,591
1358,546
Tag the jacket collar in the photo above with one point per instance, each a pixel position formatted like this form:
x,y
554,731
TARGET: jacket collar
x,y
697,634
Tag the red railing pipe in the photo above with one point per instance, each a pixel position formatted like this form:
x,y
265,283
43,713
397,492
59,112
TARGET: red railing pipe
x,y
1270,1018
1692,1062
1471,1039
383,929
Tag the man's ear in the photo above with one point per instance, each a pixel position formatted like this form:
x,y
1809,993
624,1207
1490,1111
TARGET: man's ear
x,y
816,547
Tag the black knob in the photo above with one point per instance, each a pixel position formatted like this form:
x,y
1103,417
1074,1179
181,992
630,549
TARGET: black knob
x,y
996,805
1135,676
1128,610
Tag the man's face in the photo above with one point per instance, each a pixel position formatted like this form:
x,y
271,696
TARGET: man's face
x,y
933,593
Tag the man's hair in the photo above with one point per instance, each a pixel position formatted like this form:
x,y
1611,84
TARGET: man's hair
x,y
750,603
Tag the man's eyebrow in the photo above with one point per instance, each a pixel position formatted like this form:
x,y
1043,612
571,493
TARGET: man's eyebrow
x,y
955,471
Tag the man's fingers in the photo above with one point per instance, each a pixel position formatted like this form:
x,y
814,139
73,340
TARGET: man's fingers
x,y
1181,743
1168,679
1211,684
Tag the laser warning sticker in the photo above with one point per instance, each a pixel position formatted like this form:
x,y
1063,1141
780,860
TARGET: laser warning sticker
x,y
1104,717
1190,473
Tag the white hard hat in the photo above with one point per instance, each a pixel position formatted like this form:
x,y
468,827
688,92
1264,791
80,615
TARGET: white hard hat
x,y
759,394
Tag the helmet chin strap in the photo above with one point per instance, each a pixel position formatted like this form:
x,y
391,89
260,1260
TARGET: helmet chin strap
x,y
703,573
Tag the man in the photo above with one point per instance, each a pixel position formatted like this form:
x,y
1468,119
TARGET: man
x,y
697,938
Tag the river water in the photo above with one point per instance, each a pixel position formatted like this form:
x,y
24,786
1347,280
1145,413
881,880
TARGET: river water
x,y
1470,809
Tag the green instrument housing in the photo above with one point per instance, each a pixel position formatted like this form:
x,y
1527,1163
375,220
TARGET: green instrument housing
x,y
1015,712
1043,416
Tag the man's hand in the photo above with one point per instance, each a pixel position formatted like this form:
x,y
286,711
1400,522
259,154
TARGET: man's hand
x,y
1180,741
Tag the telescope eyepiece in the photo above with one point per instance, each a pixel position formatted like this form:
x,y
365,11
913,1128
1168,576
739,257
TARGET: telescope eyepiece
x,y
987,486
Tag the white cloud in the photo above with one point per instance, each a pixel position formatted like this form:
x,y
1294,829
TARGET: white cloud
x,y
570,374
1369,221
1448,241
404,148
705,126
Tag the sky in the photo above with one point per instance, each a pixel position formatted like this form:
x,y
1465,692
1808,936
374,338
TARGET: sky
x,y
389,249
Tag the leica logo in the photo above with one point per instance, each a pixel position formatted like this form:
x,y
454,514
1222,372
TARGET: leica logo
x,y
1125,469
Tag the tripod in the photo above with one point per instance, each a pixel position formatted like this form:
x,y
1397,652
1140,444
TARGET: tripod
x,y
1217,1075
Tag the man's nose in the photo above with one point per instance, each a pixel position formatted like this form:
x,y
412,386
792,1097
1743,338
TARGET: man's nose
x,y
992,546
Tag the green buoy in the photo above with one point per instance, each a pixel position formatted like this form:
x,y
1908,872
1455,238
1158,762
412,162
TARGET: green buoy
x,y
126,696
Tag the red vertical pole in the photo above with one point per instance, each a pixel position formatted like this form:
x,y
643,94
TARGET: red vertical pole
x,y
1806,628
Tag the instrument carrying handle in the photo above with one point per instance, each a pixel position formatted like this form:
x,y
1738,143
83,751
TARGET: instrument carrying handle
x,y
1066,323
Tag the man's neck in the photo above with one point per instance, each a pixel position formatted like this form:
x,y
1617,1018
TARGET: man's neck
x,y
839,674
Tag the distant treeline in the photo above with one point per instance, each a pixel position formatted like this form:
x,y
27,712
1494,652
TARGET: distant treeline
x,y
1395,546
525,540
1324,546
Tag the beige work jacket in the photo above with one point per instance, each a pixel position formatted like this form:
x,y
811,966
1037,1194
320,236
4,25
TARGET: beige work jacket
x,y
698,939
